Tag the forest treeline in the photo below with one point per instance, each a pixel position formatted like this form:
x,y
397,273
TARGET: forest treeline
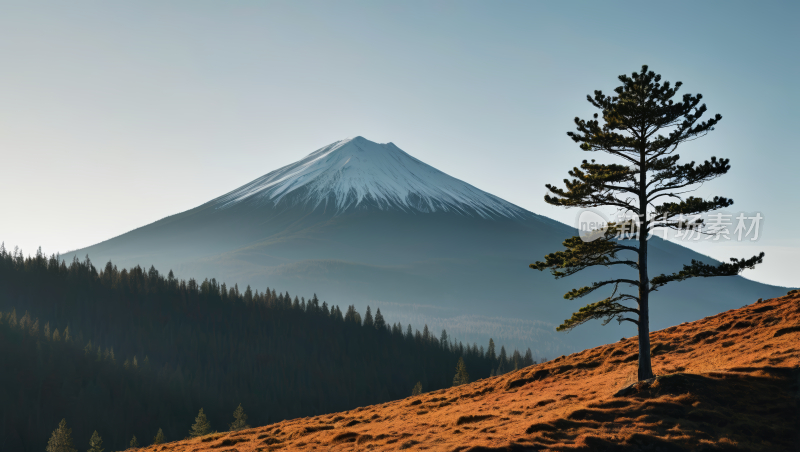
x,y
128,352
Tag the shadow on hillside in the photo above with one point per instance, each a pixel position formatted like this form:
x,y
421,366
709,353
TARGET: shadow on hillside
x,y
718,411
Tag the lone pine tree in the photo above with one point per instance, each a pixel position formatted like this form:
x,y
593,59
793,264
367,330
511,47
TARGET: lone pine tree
x,y
417,389
61,439
240,419
201,425
134,444
643,126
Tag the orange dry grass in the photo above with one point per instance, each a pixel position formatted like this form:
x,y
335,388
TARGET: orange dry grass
x,y
726,382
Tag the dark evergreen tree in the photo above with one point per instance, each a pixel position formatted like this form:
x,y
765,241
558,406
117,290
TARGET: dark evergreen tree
x,y
159,438
502,361
352,316
380,322
417,389
443,339
201,425
490,353
239,419
336,314
95,443
248,295
61,439
528,359
369,322
516,358
409,333
134,444
643,126
461,377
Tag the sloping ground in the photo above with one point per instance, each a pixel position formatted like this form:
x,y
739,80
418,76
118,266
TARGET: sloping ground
x,y
726,382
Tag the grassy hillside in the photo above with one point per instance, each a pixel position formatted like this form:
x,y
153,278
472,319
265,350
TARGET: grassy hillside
x,y
726,382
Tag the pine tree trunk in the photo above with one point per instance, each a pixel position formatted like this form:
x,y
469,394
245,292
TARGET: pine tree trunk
x,y
645,369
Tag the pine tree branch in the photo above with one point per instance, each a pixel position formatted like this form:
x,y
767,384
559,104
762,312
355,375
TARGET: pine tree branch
x,y
698,269
586,290
676,177
607,310
691,206
580,255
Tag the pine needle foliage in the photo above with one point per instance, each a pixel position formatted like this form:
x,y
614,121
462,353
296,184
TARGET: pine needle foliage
x,y
61,439
201,426
641,124
417,389
240,419
134,444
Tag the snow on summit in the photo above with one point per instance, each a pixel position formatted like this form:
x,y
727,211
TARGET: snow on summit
x,y
356,172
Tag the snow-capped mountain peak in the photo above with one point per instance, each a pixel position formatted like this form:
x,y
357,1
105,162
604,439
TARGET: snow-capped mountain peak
x,y
358,173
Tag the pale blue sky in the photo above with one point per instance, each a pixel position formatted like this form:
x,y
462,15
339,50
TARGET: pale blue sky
x,y
116,114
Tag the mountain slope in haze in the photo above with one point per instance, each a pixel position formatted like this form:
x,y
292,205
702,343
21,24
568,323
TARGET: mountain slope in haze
x,y
727,382
365,223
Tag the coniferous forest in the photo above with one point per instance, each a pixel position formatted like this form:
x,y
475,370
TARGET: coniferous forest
x,y
135,352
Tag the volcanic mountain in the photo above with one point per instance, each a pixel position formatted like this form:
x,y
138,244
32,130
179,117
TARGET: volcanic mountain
x,y
363,223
